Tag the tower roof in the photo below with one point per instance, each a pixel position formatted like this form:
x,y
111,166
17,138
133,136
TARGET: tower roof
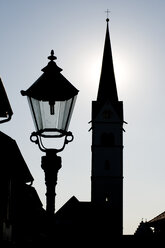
x,y
107,85
5,108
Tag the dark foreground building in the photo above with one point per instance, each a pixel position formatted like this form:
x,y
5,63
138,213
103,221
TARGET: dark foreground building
x,y
21,212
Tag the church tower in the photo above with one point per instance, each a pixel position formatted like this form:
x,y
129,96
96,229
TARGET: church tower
x,y
107,144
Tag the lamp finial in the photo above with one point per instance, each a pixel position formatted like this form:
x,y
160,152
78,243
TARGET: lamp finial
x,y
52,57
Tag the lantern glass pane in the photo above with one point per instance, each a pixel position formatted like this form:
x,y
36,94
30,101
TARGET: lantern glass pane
x,y
68,112
44,118
36,112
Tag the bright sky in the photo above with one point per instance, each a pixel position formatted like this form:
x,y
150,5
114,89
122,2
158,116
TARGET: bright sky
x,y
76,31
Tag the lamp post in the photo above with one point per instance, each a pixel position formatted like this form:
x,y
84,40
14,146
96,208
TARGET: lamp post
x,y
51,100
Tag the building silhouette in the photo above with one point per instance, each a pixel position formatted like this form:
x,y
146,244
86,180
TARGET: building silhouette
x,y
21,214
158,225
104,213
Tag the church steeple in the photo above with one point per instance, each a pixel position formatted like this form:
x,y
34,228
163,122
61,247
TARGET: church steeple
x,y
107,145
107,85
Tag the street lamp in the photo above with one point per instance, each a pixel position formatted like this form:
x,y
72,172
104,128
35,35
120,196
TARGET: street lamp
x,y
51,99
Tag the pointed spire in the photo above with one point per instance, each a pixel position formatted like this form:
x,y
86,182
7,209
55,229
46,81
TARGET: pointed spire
x,y
107,85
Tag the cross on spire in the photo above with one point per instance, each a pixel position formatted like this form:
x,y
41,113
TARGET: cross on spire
x,y
107,12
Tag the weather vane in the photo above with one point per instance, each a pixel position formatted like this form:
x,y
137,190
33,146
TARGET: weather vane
x,y
107,11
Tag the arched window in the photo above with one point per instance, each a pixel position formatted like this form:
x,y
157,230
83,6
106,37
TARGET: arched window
x,y
107,139
107,199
